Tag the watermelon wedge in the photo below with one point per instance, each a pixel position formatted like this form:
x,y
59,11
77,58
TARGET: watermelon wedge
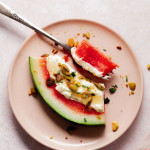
x,y
67,108
92,59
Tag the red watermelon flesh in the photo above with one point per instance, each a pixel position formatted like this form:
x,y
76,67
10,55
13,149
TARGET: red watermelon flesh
x,y
94,57
67,108
76,106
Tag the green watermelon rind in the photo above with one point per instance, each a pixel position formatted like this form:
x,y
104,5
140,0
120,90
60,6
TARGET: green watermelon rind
x,y
57,105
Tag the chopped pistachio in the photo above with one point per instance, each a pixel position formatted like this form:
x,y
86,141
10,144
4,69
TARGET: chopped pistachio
x,y
87,35
106,100
73,74
83,35
54,51
132,86
126,78
58,77
99,86
45,55
76,44
113,89
71,42
85,86
108,56
119,47
73,87
115,125
65,69
50,81
77,85
148,66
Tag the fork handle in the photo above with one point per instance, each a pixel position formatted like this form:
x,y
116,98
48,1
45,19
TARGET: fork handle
x,y
5,10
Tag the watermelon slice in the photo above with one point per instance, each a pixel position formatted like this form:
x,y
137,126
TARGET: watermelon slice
x,y
92,59
67,108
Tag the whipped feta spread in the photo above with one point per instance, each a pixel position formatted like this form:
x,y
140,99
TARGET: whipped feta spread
x,y
87,66
83,86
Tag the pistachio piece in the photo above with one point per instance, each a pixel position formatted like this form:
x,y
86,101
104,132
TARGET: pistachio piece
x,y
50,81
99,86
58,77
89,100
132,86
65,69
73,87
83,95
115,125
68,77
86,96
71,42
45,55
87,35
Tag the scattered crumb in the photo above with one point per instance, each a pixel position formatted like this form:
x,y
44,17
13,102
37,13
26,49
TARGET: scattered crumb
x,y
115,125
108,56
119,47
93,35
54,51
32,91
132,86
51,137
126,78
87,35
65,32
80,140
29,93
132,92
51,44
104,50
148,66
71,42
127,85
66,137
78,34
76,44
83,35
45,55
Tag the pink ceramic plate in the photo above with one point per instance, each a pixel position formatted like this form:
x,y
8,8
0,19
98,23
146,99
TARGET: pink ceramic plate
x,y
41,122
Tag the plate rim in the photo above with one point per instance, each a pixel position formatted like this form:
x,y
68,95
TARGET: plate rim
x,y
69,20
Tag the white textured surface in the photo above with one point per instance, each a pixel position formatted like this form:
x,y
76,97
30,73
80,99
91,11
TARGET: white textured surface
x,y
131,19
